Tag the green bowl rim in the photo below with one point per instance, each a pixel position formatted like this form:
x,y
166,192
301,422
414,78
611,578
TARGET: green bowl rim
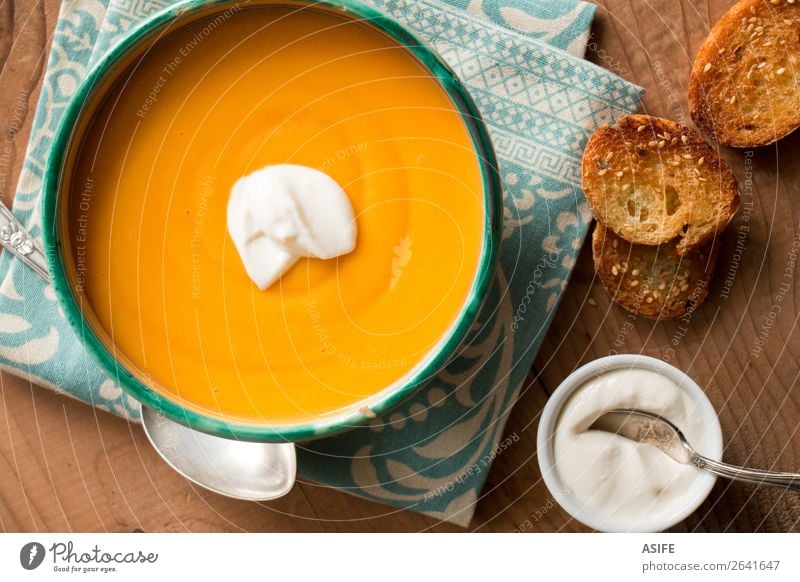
x,y
335,423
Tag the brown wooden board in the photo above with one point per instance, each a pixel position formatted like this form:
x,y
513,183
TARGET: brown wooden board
x,y
66,467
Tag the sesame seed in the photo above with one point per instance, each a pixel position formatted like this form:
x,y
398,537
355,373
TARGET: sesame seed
x,y
592,302
602,172
732,100
620,174
609,155
685,139
649,300
674,141
701,161
762,64
615,270
661,144
707,68
652,144
634,283
684,287
635,272
626,187
662,286
780,71
687,156
641,128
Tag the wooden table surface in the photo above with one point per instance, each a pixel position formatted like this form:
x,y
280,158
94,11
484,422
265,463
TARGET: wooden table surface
x,y
66,467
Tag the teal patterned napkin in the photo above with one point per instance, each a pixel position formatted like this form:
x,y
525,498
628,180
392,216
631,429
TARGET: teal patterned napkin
x,y
521,61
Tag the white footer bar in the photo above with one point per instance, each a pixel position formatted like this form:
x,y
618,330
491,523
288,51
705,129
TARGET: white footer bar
x,y
399,557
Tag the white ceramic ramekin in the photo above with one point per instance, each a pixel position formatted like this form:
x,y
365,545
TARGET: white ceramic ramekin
x,y
552,411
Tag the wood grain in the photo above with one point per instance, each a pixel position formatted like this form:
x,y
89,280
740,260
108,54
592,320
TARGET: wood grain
x,y
66,467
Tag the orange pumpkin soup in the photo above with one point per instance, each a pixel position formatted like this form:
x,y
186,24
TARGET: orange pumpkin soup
x,y
147,214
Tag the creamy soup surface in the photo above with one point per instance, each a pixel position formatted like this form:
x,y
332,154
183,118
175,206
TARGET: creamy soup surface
x,y
218,100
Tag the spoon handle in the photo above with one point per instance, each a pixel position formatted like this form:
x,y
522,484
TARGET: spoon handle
x,y
22,245
757,476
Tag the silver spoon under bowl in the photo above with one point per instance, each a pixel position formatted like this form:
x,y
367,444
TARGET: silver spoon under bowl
x,y
655,430
239,469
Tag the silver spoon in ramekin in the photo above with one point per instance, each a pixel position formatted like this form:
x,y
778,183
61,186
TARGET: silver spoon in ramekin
x,y
238,469
655,430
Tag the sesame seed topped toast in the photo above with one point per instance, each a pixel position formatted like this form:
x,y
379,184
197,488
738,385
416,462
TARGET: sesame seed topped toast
x,y
653,281
651,180
744,90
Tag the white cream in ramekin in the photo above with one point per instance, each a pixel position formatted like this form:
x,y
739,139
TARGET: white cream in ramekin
x,y
611,483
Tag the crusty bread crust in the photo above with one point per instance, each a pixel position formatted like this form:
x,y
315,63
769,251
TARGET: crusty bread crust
x,y
651,180
744,90
653,281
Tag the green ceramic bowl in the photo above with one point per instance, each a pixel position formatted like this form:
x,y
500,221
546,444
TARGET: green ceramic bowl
x,y
97,82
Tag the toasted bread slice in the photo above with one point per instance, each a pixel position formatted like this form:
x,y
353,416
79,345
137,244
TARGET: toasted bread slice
x,y
744,90
653,281
651,180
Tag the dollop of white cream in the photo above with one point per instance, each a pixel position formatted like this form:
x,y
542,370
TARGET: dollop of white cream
x,y
629,485
281,213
